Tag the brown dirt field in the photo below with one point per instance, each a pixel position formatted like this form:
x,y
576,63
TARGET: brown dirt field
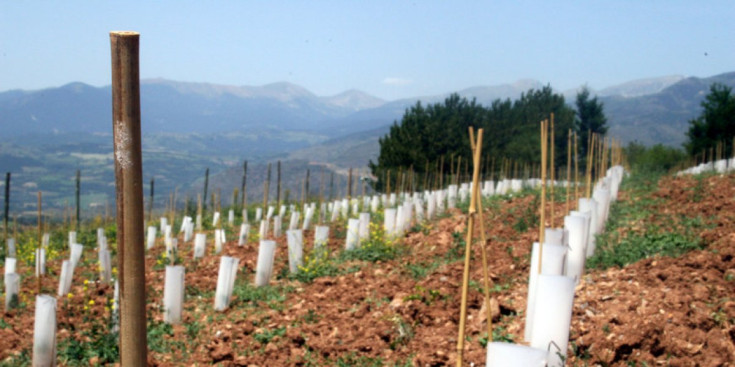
x,y
661,311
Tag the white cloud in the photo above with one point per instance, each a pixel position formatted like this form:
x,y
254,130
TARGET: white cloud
x,y
396,81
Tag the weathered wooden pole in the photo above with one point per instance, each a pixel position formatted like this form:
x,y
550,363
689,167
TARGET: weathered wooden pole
x,y
7,212
77,198
331,186
244,185
552,172
206,186
278,186
150,202
129,190
266,189
349,185
306,187
38,248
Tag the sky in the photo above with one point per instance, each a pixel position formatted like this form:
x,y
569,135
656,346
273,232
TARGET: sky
x,y
391,49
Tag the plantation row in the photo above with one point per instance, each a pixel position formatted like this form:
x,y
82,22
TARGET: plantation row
x,y
391,216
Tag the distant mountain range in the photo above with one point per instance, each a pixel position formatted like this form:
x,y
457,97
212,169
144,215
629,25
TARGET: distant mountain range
x,y
190,126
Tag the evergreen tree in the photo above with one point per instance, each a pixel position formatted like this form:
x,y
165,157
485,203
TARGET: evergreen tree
x,y
715,124
590,118
425,134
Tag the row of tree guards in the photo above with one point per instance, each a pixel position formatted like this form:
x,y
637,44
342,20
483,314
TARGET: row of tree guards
x,y
557,259
131,240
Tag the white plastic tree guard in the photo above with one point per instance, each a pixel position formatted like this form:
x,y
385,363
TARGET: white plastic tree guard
x,y
353,239
150,239
295,238
173,294
514,355
44,332
552,322
200,244
264,266
225,282
321,236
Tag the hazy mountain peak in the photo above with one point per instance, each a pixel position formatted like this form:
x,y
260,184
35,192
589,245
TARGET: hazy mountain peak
x,y
641,87
355,100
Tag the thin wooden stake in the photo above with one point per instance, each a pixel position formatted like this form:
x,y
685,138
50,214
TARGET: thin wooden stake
x,y
7,212
278,186
129,188
552,171
483,240
266,190
206,186
466,273
542,222
78,183
38,248
569,168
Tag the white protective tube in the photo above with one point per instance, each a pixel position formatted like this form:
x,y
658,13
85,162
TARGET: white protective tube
x,y
552,263
217,241
294,221
264,266
552,322
295,238
76,254
10,263
277,226
173,294
364,230
200,244
225,282
321,236
44,332
215,219
105,266
12,288
150,239
575,226
40,261
353,239
514,355
389,221
242,238
67,270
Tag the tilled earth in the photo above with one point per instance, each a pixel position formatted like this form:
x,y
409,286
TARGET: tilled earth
x,y
405,311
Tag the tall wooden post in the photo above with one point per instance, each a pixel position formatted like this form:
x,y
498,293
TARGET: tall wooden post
x,y
150,202
349,185
129,189
77,198
244,185
306,187
7,212
206,186
40,242
278,186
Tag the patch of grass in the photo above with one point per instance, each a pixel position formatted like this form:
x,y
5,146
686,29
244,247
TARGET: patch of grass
x,y
637,247
22,359
378,247
316,264
100,344
266,335
252,296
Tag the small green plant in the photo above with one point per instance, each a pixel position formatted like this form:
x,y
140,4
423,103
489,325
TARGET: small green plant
x,y
378,247
316,264
266,335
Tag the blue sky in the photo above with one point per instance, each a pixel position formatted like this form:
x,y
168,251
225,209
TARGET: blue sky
x,y
390,49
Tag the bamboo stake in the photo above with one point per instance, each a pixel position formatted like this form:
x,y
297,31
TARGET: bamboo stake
x,y
569,164
466,273
331,186
483,241
576,170
7,212
129,185
199,211
40,241
77,198
553,177
542,222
